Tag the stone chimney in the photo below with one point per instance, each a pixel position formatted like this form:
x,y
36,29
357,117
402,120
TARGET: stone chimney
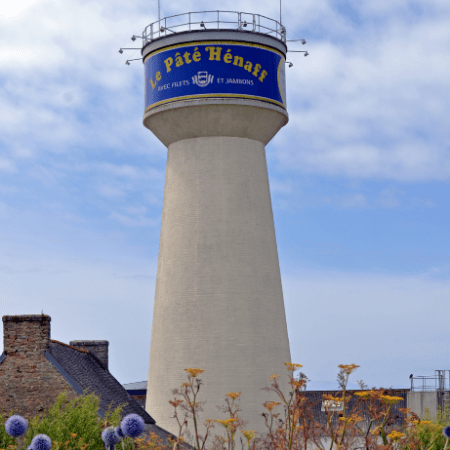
x,y
98,348
27,334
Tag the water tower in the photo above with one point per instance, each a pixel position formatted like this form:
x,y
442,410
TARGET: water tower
x,y
215,95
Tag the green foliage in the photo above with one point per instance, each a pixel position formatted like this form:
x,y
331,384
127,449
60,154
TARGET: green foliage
x,y
443,417
76,425
69,424
5,438
427,434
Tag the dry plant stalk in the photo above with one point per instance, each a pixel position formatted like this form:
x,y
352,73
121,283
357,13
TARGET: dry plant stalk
x,y
370,419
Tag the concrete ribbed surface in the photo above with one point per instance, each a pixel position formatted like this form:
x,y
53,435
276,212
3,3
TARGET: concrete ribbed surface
x,y
218,301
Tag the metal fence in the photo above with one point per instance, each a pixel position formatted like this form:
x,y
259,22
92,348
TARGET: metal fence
x,y
213,20
439,382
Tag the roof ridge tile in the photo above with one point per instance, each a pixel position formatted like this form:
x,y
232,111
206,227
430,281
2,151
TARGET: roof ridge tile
x,y
70,346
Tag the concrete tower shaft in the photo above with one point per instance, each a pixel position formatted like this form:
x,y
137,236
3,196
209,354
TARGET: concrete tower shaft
x,y
218,302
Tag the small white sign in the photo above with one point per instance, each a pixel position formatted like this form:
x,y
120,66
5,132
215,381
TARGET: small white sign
x,y
330,405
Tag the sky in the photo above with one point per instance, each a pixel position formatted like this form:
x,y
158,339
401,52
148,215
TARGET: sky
x,y
359,180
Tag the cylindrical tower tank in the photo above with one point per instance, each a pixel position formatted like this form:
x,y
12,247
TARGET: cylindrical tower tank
x,y
215,97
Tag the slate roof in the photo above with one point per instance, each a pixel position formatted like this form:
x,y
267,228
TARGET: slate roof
x,y
138,388
83,370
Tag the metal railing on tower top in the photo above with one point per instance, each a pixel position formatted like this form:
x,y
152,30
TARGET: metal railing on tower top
x,y
213,20
439,382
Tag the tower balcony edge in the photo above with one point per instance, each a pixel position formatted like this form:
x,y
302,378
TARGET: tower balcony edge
x,y
190,119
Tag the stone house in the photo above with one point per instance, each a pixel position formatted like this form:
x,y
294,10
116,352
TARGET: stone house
x,y
34,369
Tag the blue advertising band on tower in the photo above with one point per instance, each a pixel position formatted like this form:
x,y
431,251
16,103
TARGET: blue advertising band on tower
x,y
215,69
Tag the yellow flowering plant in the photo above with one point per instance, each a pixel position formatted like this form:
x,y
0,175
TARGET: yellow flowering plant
x,y
375,406
293,430
186,398
249,436
372,417
426,434
340,423
231,424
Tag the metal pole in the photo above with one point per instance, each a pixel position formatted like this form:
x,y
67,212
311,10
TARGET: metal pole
x,y
280,12
159,21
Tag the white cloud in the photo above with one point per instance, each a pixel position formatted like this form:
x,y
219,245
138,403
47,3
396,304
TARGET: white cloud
x,y
315,199
45,175
373,106
4,208
280,186
384,7
390,197
111,191
152,199
422,202
138,221
370,102
23,153
8,189
14,9
123,170
6,165
355,200
135,210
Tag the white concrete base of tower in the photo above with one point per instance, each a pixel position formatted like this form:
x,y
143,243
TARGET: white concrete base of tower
x,y
219,301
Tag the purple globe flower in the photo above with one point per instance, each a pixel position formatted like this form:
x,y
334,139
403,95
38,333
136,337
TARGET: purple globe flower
x,y
132,425
15,426
120,432
41,442
110,437
446,431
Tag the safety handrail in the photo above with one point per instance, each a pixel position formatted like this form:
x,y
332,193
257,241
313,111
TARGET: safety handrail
x,y
242,20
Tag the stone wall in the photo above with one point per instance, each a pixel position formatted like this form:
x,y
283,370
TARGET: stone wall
x,y
97,348
28,381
